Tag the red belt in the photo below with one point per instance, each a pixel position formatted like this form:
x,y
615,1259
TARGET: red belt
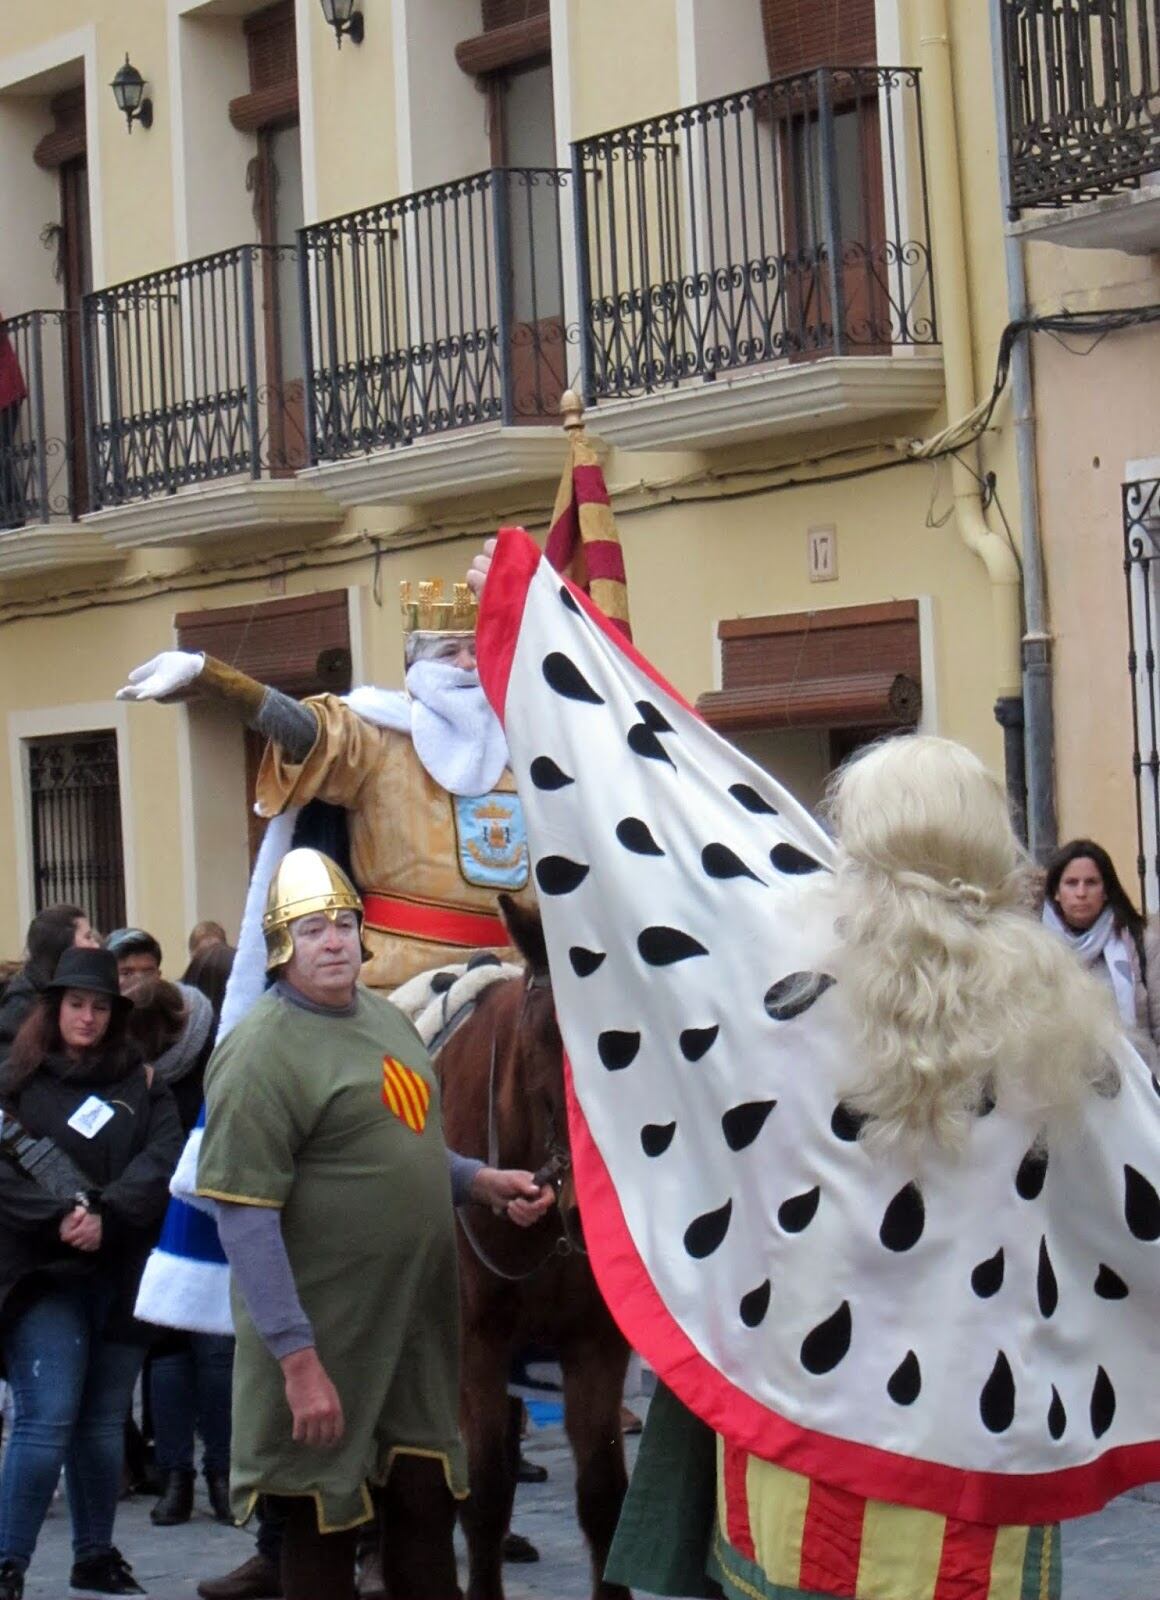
x,y
438,924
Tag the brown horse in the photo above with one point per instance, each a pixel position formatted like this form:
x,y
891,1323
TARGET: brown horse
x,y
503,1087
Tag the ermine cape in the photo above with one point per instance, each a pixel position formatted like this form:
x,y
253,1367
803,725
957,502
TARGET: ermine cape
x,y
978,1337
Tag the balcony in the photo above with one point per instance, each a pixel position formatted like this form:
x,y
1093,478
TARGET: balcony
x,y
437,340
39,468
1083,110
759,264
194,403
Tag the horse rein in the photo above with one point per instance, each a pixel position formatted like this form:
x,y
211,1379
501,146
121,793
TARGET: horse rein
x,y
553,1172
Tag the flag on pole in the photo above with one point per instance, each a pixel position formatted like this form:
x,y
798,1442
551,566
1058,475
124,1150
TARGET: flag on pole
x,y
583,543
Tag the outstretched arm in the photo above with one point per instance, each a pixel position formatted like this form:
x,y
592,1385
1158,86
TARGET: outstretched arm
x,y
183,674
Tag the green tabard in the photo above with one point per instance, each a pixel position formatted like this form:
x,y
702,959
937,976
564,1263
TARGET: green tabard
x,y
298,1119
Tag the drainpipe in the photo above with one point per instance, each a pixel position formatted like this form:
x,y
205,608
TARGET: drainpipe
x,y
1038,711
950,263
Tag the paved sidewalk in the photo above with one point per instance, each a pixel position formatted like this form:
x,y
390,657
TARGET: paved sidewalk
x,y
1112,1556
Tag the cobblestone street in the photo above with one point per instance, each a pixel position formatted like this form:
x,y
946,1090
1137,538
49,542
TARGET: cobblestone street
x,y
1112,1556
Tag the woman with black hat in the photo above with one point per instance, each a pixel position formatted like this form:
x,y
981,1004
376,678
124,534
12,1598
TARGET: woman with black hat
x,y
87,1149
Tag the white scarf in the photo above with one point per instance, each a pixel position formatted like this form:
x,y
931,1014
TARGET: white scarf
x,y
1102,939
457,735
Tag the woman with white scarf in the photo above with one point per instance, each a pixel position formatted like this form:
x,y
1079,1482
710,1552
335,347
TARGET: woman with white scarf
x,y
1087,906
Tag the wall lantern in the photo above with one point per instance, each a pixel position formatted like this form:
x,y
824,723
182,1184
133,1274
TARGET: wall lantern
x,y
129,92
343,18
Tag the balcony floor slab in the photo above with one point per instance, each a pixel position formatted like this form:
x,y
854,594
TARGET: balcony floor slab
x,y
776,400
204,513
50,546
1129,222
446,464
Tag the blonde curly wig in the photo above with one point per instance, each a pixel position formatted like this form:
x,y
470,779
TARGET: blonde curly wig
x,y
963,998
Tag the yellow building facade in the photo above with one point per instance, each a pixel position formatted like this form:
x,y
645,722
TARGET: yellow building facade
x,y
1083,105
305,335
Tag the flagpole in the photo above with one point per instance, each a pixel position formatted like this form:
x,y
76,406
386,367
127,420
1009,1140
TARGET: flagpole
x,y
572,412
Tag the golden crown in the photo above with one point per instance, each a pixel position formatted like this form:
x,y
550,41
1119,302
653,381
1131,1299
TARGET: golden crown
x,y
428,611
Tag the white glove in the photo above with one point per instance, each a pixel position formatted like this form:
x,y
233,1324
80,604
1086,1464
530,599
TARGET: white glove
x,y
164,675
478,570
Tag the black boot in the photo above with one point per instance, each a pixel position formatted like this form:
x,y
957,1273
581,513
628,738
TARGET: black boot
x,y
176,1503
217,1486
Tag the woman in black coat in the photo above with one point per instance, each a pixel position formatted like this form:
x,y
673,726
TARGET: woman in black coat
x,y
88,1146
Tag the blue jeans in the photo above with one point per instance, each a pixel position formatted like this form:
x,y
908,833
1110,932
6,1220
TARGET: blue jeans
x,y
71,1391
189,1387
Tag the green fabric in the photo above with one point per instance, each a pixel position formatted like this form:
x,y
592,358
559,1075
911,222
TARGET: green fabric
x,y
296,1119
662,1538
1043,1564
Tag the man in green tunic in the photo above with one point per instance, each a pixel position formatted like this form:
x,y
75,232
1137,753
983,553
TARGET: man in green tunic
x,y
323,1149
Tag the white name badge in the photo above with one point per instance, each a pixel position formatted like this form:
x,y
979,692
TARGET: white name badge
x,y
89,1118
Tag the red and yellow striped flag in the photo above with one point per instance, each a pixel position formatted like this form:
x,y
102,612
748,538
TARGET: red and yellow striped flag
x,y
583,542
405,1093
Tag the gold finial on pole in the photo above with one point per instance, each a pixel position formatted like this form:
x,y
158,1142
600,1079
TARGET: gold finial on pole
x,y
572,410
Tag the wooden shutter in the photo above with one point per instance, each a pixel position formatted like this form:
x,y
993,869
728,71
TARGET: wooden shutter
x,y
803,34
849,667
502,13
299,645
272,51
515,32
67,140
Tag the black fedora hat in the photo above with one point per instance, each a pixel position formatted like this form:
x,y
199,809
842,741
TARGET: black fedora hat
x,y
95,970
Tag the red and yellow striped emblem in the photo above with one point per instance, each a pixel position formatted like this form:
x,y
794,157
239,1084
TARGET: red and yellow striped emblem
x,y
405,1093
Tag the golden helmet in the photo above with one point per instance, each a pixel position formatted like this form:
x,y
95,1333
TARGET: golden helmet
x,y
306,882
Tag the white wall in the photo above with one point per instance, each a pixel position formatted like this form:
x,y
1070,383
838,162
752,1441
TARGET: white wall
x,y
31,199
721,47
213,210
442,115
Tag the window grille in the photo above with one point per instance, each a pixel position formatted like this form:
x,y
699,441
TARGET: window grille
x,y
76,825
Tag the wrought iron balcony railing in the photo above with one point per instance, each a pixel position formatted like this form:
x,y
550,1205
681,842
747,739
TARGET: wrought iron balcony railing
x,y
1083,97
192,374
786,221
438,310
36,420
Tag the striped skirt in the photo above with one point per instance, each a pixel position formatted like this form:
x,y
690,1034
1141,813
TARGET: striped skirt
x,y
781,1536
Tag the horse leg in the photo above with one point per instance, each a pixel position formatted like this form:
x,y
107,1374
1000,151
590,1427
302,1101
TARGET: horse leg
x,y
486,1512
594,1371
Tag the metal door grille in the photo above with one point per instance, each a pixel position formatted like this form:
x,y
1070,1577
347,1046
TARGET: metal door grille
x,y
1141,503
76,825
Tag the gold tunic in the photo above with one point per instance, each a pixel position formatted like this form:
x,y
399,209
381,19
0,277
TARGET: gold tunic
x,y
411,841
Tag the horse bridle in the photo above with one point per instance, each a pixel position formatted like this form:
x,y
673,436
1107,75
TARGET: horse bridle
x,y
554,1170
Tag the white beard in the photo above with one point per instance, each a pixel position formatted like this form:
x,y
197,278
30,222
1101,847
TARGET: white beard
x,y
457,735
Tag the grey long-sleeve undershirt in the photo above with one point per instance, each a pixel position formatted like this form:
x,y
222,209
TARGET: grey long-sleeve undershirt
x,y
287,723
251,1237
